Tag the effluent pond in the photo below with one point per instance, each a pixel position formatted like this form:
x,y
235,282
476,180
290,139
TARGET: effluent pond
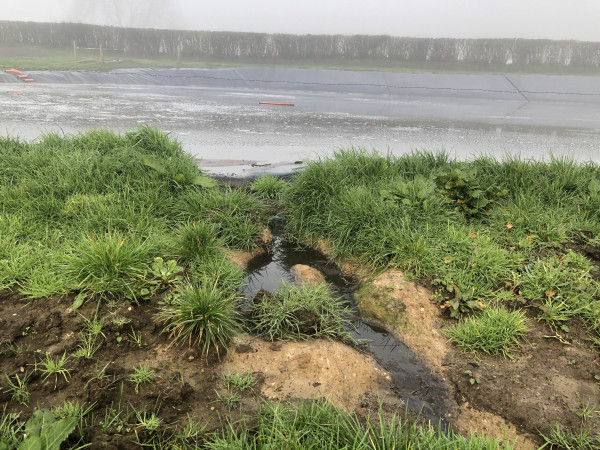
x,y
420,390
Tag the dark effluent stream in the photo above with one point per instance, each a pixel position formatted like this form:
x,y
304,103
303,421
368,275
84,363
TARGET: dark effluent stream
x,y
421,391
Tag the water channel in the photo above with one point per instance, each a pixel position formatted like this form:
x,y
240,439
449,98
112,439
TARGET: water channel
x,y
419,389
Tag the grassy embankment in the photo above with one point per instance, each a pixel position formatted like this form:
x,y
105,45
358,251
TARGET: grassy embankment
x,y
499,241
109,221
484,232
29,57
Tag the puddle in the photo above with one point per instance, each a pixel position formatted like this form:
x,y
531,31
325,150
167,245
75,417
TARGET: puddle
x,y
413,383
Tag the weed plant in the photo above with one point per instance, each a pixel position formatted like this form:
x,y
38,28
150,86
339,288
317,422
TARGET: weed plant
x,y
496,331
202,315
301,312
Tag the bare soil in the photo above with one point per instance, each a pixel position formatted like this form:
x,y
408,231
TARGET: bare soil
x,y
543,385
185,384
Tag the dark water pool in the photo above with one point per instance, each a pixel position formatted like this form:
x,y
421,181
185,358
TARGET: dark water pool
x,y
415,384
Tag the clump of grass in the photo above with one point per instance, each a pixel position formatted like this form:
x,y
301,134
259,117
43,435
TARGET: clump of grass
x,y
301,312
496,331
150,422
229,399
17,387
221,270
319,424
240,381
565,286
202,315
141,374
50,366
10,428
111,264
198,242
268,186
582,439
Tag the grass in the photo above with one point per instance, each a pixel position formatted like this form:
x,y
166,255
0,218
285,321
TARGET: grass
x,y
10,428
141,375
409,213
18,389
229,399
90,332
319,424
198,241
202,315
50,366
112,264
582,439
240,381
564,285
117,202
496,331
303,312
268,186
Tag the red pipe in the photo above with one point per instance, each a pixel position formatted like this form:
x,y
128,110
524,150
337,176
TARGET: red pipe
x,y
275,104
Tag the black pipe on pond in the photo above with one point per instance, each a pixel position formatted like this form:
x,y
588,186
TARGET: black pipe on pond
x,y
420,390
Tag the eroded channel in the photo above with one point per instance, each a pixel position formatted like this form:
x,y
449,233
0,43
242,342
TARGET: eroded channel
x,y
419,389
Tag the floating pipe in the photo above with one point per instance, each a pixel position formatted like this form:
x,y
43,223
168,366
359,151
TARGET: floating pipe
x,y
275,104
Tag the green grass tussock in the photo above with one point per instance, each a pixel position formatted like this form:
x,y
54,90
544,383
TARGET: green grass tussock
x,y
268,186
202,315
90,212
467,226
496,331
300,312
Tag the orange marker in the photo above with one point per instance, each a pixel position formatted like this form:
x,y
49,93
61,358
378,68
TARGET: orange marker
x,y
12,71
22,76
28,79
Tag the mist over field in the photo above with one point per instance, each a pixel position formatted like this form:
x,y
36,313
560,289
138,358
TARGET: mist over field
x,y
533,19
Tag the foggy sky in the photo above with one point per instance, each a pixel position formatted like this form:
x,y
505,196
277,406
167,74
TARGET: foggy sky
x,y
543,19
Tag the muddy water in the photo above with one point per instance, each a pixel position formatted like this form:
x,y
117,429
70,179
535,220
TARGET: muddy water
x,y
413,383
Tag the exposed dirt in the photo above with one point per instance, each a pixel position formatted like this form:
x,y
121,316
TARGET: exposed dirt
x,y
184,384
546,383
304,274
313,369
241,258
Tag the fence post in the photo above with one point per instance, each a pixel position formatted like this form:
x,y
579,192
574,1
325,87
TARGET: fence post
x,y
178,53
74,51
101,54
